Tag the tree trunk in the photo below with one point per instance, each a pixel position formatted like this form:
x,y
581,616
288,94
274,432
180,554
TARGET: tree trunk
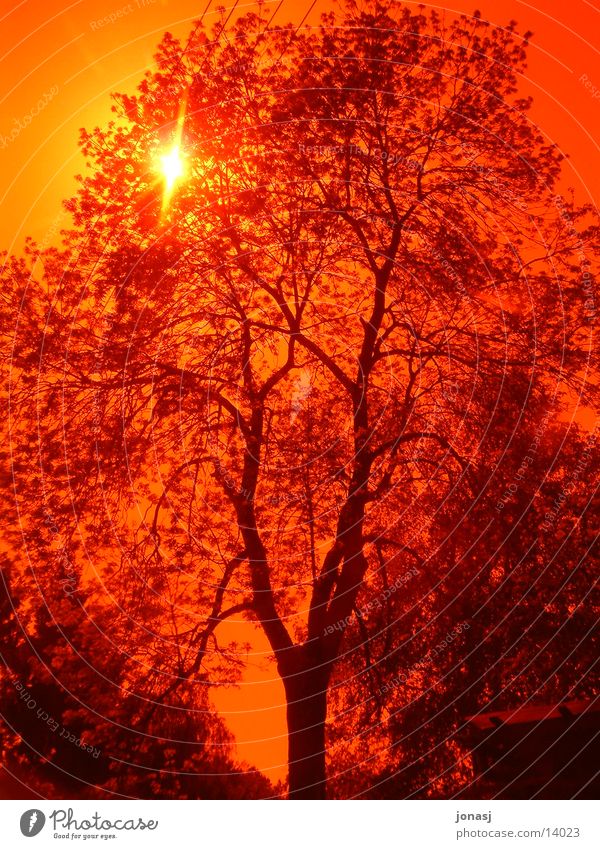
x,y
306,693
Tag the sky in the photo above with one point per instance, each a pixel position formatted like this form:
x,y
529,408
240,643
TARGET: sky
x,y
60,60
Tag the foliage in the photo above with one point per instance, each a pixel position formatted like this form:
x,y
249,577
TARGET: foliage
x,y
308,368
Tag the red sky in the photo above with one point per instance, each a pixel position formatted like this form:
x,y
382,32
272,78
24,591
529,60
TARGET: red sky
x,y
67,54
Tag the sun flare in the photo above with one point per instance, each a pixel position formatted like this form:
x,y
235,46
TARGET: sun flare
x,y
172,167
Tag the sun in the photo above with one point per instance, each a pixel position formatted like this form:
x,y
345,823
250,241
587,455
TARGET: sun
x,y
172,167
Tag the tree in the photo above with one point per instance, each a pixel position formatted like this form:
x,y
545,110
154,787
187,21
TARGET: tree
x,y
74,726
260,383
503,615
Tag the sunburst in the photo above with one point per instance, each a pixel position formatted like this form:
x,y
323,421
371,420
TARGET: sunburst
x,y
172,167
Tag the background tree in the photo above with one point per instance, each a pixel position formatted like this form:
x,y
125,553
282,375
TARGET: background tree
x,y
504,615
257,388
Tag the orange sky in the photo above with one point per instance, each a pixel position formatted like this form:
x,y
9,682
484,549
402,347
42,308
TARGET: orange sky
x,y
67,55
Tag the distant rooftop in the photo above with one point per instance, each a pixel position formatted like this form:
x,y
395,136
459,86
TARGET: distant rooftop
x,y
532,714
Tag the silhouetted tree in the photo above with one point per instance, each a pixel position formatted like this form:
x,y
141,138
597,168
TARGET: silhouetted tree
x,y
255,389
72,723
502,613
